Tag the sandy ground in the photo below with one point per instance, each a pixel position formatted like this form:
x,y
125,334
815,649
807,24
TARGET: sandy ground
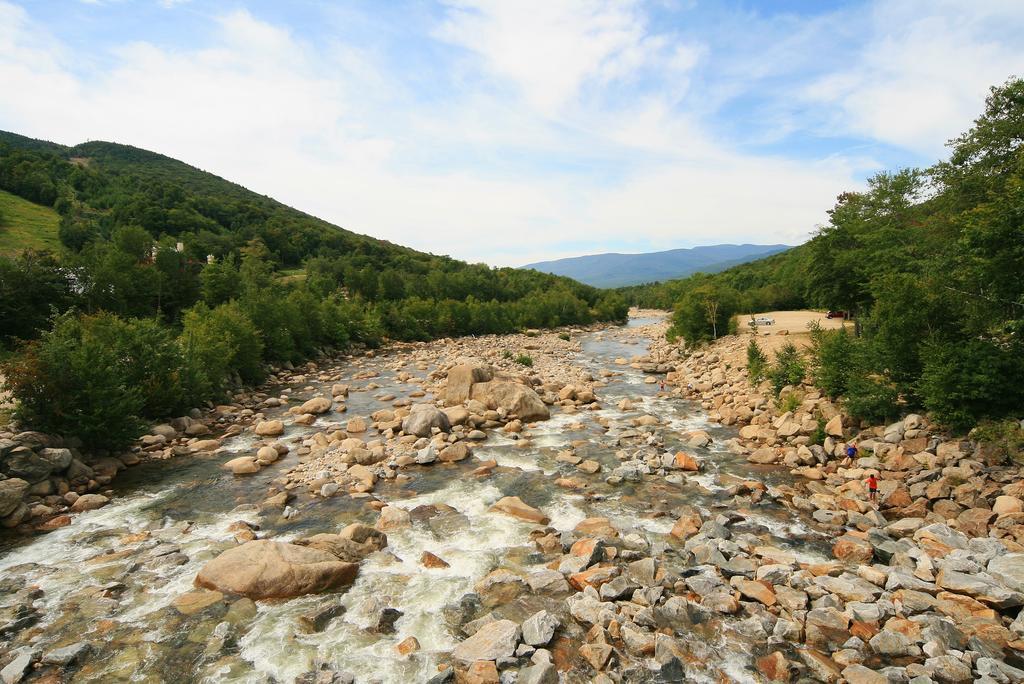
x,y
789,326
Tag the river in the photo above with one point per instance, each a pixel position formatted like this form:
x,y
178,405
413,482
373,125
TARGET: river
x,y
111,577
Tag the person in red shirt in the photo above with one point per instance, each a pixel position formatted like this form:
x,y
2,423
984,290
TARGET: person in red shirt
x,y
872,488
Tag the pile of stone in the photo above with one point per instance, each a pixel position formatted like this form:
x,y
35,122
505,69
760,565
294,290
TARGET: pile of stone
x,y
43,478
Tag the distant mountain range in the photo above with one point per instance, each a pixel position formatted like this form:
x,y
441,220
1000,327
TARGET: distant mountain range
x,y
617,270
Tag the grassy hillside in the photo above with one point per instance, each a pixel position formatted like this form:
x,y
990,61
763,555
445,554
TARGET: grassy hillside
x,y
24,225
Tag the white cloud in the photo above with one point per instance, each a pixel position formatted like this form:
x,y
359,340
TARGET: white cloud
x,y
551,50
922,75
565,127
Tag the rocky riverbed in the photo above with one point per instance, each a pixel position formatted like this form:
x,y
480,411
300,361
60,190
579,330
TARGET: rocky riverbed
x,y
446,512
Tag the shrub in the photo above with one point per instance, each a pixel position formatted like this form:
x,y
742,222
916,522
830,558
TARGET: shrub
x,y
506,354
95,377
788,368
833,355
871,398
1003,440
964,381
757,362
789,402
218,342
564,336
524,360
819,435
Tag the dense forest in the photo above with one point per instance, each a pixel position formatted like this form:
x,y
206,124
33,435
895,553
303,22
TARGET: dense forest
x,y
172,283
931,263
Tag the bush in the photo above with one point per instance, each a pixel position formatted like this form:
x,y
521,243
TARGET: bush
x,y
789,402
1002,440
757,362
217,343
704,312
788,368
564,336
834,360
524,360
871,398
964,381
95,377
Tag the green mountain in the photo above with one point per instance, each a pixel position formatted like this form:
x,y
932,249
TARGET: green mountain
x,y
617,270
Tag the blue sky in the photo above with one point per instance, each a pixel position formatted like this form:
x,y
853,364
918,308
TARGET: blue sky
x,y
517,130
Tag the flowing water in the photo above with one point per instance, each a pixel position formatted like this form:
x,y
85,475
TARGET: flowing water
x,y
111,577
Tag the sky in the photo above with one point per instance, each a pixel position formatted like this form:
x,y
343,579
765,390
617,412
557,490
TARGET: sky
x,y
511,131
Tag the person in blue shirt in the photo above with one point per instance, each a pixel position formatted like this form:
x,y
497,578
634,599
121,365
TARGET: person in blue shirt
x,y
851,451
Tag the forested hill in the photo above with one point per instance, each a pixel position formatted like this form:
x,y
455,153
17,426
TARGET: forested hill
x,y
931,262
97,186
117,202
616,270
171,283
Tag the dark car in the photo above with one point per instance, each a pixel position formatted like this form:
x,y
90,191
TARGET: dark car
x,y
838,314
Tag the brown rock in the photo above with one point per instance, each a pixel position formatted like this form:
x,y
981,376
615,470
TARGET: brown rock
x,y
774,667
195,601
408,645
596,654
482,672
685,461
596,527
852,549
429,560
514,506
266,569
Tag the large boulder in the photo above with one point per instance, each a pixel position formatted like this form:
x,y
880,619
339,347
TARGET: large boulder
x,y
12,491
422,418
494,641
270,428
345,548
264,569
518,400
461,379
24,463
316,406
59,459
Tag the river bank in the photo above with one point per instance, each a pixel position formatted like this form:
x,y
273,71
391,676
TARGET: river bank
x,y
626,537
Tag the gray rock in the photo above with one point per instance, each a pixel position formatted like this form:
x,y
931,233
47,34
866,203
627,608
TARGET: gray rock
x,y
539,628
980,586
24,463
493,641
17,668
422,418
68,654
12,491
587,608
548,582
999,670
948,668
890,643
1008,569
544,673
59,459
617,588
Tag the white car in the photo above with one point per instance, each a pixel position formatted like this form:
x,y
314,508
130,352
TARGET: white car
x,y
764,320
